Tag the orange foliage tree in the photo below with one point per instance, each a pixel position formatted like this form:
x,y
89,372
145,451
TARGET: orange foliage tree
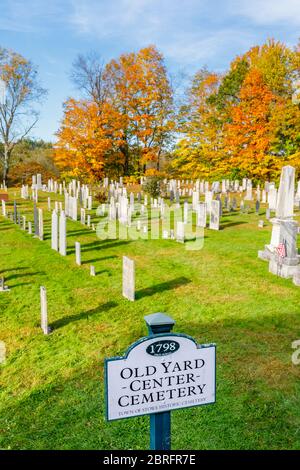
x,y
248,123
248,135
128,128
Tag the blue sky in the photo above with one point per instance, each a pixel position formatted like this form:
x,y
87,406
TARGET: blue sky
x,y
190,33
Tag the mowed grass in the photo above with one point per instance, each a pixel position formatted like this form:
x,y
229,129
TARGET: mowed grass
x,y
52,390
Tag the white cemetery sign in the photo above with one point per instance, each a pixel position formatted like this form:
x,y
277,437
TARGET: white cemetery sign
x,y
160,373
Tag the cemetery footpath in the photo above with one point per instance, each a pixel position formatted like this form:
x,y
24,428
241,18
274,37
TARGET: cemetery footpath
x,y
51,386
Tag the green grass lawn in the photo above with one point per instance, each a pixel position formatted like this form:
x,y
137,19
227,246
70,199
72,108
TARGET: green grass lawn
x,y
51,388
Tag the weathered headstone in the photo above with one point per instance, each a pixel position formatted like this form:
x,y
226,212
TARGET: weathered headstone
x,y
54,231
78,253
92,270
180,235
282,252
41,224
214,223
3,287
62,234
201,214
44,311
128,278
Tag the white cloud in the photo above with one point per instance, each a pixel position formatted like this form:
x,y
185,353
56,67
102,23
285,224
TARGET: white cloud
x,y
266,12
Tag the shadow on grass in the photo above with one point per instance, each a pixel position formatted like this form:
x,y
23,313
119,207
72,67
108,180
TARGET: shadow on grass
x,y
15,276
99,259
82,316
168,285
13,269
72,233
97,246
12,286
231,224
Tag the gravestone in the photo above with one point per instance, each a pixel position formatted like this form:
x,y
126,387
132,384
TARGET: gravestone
x,y
62,234
54,231
260,224
257,206
30,228
3,287
78,253
128,278
214,222
44,311
284,231
36,220
2,352
15,212
185,212
180,236
3,208
92,271
201,214
41,224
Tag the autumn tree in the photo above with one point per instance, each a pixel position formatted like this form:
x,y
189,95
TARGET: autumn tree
x,y
20,92
198,152
88,140
139,88
248,123
248,135
124,121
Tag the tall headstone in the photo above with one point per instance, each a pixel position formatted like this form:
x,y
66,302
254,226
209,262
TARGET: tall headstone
x,y
214,222
44,311
180,235
283,262
285,197
62,234
41,224
36,220
201,214
78,253
128,278
54,231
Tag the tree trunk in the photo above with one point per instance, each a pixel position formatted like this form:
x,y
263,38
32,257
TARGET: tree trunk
x,y
6,163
